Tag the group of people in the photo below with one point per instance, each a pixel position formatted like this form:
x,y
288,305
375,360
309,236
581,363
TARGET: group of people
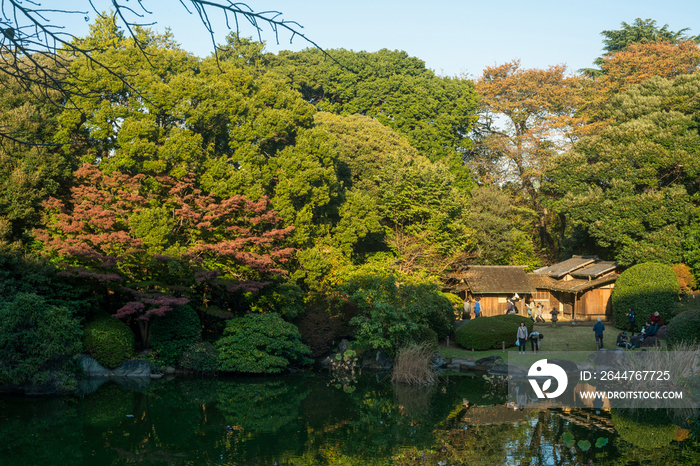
x,y
651,327
534,312
535,337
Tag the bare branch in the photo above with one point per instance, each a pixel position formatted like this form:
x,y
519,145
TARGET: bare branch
x,y
38,53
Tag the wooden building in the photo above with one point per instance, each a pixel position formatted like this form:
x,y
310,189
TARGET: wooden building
x,y
579,288
493,285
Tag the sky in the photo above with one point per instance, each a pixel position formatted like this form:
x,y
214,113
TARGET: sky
x,y
454,38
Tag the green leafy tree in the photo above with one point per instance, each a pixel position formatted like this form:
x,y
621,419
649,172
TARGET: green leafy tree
x,y
260,343
433,113
394,305
37,343
629,191
32,168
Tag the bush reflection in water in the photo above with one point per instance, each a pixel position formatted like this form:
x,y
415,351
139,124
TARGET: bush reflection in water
x,y
308,421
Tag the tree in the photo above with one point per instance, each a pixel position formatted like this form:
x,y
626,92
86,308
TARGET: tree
x,y
527,117
640,32
36,50
162,244
637,63
634,54
631,188
434,113
29,173
497,234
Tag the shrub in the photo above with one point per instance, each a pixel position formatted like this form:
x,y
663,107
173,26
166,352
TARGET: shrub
x,y
412,365
109,340
260,343
38,343
393,308
200,357
175,331
489,332
426,335
684,328
647,288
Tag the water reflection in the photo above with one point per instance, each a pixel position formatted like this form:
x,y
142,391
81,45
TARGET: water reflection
x,y
305,421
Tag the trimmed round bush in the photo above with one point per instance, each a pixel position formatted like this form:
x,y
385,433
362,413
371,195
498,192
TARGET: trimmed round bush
x,y
684,328
490,332
647,288
200,357
260,343
109,340
175,331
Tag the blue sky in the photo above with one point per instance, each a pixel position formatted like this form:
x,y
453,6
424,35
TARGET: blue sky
x,y
452,37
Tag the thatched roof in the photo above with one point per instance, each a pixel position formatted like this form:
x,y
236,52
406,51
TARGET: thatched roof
x,y
493,279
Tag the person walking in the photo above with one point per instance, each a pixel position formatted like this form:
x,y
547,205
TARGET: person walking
x,y
535,338
598,329
631,317
538,315
477,308
522,337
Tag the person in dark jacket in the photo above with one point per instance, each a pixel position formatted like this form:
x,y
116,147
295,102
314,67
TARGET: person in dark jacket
x,y
598,329
631,317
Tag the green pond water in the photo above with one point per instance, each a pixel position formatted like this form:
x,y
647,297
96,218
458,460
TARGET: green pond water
x,y
307,420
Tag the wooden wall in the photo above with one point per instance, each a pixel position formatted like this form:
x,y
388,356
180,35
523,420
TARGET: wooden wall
x,y
593,304
590,305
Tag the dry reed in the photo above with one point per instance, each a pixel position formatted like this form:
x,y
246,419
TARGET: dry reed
x,y
412,365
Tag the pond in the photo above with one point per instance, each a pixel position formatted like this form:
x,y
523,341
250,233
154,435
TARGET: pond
x,y
308,420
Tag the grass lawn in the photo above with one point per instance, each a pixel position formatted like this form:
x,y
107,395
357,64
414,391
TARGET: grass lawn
x,y
579,337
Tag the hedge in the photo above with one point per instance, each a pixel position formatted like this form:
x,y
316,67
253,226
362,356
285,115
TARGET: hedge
x,y
647,288
490,332
109,340
684,328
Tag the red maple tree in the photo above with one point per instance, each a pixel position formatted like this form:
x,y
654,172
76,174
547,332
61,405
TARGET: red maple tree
x,y
159,237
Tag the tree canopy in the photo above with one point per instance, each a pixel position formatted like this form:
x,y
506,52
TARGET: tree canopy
x,y
630,188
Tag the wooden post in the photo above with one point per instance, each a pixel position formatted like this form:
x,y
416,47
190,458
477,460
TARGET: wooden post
x,y
504,346
567,347
448,341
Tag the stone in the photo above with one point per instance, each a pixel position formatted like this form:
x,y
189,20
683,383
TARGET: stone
x,y
169,370
92,368
484,364
661,333
133,368
607,358
343,346
437,361
377,360
569,367
456,364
